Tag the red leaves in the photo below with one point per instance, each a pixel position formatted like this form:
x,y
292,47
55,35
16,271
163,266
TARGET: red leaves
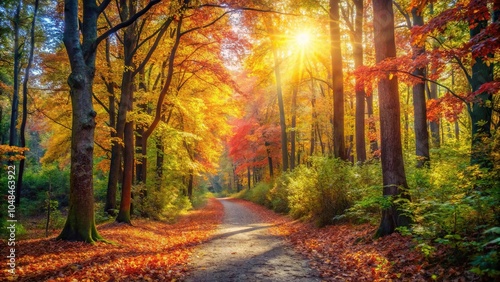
x,y
147,251
448,106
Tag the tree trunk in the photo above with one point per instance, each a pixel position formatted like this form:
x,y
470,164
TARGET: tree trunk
x,y
372,128
115,161
481,109
293,132
394,178
357,40
281,107
337,82
270,162
80,223
190,185
126,105
22,130
434,125
128,174
13,137
435,135
419,104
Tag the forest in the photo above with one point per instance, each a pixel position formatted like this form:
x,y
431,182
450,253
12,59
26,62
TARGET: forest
x,y
375,113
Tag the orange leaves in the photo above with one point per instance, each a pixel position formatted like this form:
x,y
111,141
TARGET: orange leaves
x,y
16,153
349,252
448,106
147,251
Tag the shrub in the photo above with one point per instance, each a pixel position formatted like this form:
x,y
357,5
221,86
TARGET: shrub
x,y
322,192
278,195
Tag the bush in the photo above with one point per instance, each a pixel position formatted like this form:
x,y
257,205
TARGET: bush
x,y
278,195
36,185
258,194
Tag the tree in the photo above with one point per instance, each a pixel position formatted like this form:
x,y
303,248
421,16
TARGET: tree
x,y
394,178
24,118
482,73
80,223
279,92
337,83
419,104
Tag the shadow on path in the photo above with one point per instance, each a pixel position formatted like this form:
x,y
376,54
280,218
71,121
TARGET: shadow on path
x,y
244,250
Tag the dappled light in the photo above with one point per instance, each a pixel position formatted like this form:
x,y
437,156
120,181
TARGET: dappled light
x,y
367,131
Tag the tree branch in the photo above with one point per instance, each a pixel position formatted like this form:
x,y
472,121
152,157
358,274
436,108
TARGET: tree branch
x,y
124,24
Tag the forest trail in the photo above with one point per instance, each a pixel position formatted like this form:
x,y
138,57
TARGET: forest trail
x,y
244,250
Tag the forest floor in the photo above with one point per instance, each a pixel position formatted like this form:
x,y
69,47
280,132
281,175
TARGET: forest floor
x,y
159,251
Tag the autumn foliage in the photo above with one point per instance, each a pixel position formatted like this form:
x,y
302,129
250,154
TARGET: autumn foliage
x,y
349,253
146,251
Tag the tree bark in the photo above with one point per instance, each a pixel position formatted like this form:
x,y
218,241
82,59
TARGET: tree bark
x,y
394,179
13,137
481,110
293,132
337,82
357,40
279,92
419,103
24,118
115,161
126,106
80,223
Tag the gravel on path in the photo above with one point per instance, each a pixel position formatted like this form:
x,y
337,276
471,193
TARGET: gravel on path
x,y
244,250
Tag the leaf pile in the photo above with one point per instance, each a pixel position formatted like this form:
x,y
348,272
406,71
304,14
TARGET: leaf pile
x,y
146,251
349,253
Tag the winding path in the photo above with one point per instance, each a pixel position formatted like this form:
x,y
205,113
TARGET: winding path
x,y
244,250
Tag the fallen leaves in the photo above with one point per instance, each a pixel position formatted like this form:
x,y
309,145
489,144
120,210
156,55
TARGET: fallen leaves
x,y
349,252
146,251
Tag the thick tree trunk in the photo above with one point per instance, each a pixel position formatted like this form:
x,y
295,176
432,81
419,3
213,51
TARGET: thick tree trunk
x,y
80,223
394,178
337,83
419,104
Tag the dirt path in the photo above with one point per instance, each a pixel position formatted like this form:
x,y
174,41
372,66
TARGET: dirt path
x,y
244,250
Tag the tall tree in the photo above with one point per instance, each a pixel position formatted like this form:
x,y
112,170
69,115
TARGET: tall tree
x,y
337,82
419,104
394,178
279,92
482,73
80,223
13,136
24,118
356,35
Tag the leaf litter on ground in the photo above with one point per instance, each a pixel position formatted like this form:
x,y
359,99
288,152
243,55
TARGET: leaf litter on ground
x,y
146,251
348,252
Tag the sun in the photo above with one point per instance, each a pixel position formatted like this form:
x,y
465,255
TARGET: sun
x,y
303,39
